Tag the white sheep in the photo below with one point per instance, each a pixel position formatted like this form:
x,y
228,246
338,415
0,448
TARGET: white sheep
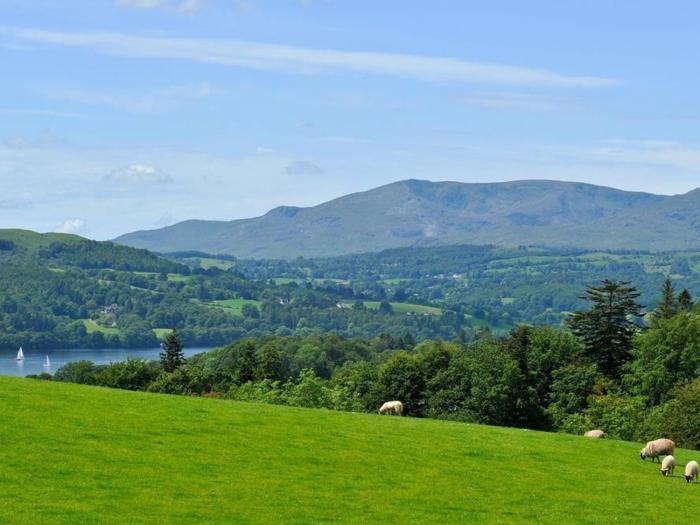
x,y
392,407
656,448
597,434
668,465
691,471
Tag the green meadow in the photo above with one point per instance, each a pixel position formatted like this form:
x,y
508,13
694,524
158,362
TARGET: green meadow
x,y
234,306
91,327
404,308
77,454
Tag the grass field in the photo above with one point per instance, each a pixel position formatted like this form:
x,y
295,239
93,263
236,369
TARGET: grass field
x,y
403,308
77,454
234,306
161,333
91,326
33,241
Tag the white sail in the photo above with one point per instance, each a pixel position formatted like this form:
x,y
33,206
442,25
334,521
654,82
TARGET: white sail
x,y
20,354
47,363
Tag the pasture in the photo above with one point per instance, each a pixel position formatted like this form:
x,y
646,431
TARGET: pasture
x,y
78,454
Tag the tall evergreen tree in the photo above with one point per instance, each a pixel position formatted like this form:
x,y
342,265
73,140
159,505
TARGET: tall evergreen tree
x,y
685,301
668,305
172,356
608,327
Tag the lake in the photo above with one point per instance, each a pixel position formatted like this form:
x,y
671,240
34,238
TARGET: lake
x,y
34,359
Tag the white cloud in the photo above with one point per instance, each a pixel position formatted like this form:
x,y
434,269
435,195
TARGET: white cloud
x,y
343,140
646,153
74,226
303,168
14,204
306,60
183,6
142,4
260,150
189,7
153,101
504,100
33,112
139,174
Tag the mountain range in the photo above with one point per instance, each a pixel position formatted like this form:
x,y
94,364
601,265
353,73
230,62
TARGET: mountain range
x,y
423,213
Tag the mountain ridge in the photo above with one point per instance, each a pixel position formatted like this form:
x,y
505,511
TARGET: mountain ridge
x,y
416,212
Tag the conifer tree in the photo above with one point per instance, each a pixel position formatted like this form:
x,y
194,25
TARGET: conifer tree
x,y
172,356
685,301
668,305
608,327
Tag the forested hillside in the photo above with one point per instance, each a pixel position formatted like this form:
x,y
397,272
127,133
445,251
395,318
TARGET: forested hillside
x,y
490,286
65,292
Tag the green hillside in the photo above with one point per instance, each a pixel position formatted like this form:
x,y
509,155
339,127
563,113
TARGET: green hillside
x,y
75,454
33,241
418,213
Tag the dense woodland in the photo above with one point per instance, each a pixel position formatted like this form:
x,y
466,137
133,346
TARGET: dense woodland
x,y
604,370
498,287
77,293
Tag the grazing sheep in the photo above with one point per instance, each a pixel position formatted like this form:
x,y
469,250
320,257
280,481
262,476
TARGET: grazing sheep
x,y
691,471
656,448
668,465
595,434
392,407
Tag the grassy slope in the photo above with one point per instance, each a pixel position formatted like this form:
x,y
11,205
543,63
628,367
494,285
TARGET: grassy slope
x,y
402,308
234,306
34,241
75,454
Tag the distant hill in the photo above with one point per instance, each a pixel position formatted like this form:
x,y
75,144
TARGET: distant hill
x,y
418,213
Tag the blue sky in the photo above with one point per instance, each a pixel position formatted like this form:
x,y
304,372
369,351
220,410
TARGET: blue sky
x,y
117,115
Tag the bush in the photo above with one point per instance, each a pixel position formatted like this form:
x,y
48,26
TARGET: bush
x,y
678,419
82,372
132,374
621,417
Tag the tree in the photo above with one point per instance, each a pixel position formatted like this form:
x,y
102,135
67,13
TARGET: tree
x,y
172,356
608,327
668,306
685,301
385,308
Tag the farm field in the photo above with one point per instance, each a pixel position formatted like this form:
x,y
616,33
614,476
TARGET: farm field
x,y
234,306
404,308
91,455
91,327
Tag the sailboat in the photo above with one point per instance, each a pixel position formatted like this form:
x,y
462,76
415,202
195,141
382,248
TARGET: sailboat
x,y
47,363
20,354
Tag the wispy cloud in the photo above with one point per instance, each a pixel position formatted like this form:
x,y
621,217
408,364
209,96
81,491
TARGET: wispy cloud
x,y
152,101
34,112
304,168
14,204
343,140
646,153
306,60
508,100
181,6
139,174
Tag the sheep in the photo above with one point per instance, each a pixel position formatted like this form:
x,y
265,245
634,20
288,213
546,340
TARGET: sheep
x,y
597,434
691,471
659,447
392,407
668,465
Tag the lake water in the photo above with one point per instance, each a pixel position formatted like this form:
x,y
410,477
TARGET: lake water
x,y
34,359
